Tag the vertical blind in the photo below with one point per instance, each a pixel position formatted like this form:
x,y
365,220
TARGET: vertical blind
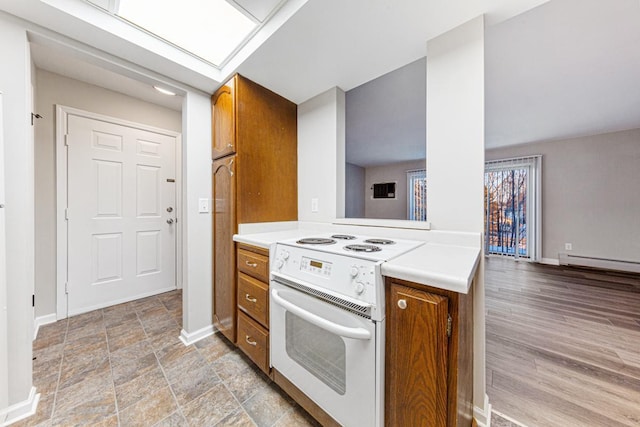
x,y
512,207
417,195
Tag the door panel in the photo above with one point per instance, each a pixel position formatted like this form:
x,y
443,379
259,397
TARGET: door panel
x,y
121,246
223,121
224,266
417,345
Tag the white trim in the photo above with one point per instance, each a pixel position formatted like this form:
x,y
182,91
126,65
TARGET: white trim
x,y
549,261
508,418
62,113
483,415
189,338
178,211
41,321
21,410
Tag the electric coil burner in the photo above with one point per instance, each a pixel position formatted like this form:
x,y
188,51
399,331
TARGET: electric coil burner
x,y
316,241
362,248
343,237
380,241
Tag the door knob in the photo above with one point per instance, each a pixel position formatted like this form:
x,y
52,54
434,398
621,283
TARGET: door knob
x,y
170,221
169,209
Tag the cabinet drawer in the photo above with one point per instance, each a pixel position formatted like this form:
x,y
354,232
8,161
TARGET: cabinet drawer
x,y
253,264
253,298
253,340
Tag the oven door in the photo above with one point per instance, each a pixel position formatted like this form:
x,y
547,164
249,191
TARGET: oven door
x,y
328,353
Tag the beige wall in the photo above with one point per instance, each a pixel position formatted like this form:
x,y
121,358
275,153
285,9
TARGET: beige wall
x,y
51,90
388,208
589,194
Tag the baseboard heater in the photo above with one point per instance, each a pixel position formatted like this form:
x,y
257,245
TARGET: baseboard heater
x,y
594,262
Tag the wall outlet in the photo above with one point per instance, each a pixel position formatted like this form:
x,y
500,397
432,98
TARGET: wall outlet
x,y
203,205
314,205
568,247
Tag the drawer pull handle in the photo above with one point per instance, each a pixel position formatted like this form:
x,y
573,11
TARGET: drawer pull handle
x,y
250,298
251,264
402,304
247,338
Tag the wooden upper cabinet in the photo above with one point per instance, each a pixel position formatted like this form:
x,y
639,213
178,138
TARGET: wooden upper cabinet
x,y
223,121
266,142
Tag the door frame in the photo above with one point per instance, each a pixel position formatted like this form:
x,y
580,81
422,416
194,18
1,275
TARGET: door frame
x,y
62,236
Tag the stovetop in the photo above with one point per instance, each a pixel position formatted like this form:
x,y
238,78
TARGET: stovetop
x,y
355,246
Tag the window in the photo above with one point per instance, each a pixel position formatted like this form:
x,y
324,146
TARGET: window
x,y
512,207
417,195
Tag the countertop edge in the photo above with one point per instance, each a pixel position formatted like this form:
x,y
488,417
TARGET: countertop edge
x,y
460,283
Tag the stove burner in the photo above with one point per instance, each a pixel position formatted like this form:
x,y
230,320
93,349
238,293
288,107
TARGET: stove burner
x,y
380,241
316,241
362,248
343,236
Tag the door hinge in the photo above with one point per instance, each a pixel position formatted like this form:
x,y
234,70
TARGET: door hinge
x,y
66,214
33,300
66,288
449,325
66,139
35,116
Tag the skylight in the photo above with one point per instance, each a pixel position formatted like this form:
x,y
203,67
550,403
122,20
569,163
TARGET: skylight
x,y
209,29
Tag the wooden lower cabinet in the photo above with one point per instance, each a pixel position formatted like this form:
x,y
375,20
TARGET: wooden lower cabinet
x,y
429,356
253,304
253,340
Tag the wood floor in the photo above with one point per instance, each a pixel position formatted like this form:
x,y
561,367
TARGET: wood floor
x,y
563,344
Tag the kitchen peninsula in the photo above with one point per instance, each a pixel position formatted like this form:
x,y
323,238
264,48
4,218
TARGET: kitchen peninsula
x,y
428,374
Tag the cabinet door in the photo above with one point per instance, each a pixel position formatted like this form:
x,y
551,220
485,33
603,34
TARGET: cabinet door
x,y
223,121
224,266
416,365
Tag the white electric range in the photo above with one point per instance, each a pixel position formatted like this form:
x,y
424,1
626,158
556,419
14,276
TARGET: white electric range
x,y
327,321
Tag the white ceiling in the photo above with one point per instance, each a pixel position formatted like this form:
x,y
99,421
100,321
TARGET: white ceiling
x,y
566,68
60,61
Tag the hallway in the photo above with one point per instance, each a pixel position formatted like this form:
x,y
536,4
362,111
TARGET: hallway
x,y
125,366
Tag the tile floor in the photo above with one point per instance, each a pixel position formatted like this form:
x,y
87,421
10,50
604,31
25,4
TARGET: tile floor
x,y
125,366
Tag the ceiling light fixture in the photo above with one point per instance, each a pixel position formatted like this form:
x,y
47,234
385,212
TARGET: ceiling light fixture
x,y
164,91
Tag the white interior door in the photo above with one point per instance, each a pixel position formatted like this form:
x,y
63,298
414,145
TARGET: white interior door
x,y
121,213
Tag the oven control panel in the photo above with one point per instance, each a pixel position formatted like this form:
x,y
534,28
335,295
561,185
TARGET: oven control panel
x,y
355,278
315,266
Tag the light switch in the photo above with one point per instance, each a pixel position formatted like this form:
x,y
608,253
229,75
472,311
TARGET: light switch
x,y
314,205
203,205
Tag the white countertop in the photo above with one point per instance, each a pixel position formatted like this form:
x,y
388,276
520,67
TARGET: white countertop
x,y
440,265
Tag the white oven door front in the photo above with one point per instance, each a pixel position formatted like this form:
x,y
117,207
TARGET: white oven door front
x,y
328,353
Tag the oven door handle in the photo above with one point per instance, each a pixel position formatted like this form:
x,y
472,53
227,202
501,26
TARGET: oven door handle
x,y
343,331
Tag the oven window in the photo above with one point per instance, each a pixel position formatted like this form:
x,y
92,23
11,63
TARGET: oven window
x,y
320,352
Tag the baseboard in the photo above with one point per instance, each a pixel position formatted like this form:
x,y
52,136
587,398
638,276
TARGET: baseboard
x,y
41,321
189,338
483,415
21,410
549,261
599,263
508,418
